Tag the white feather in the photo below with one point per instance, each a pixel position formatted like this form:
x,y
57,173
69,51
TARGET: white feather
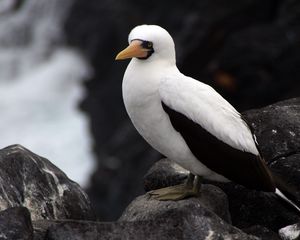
x,y
202,104
280,194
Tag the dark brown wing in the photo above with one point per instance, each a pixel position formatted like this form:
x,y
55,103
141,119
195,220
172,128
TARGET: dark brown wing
x,y
240,167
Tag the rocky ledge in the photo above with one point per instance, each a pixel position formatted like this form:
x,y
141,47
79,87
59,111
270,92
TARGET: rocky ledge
x,y
39,202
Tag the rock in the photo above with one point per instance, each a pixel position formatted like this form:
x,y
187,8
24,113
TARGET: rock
x,y
194,216
262,233
164,173
291,232
29,180
151,219
277,128
15,223
40,227
249,207
278,133
125,230
160,228
145,208
246,207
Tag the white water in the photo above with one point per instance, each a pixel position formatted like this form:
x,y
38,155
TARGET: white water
x,y
41,87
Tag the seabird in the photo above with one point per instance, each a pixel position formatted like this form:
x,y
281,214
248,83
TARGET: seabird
x,y
181,117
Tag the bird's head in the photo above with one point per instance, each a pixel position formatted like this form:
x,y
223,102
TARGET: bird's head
x,y
149,42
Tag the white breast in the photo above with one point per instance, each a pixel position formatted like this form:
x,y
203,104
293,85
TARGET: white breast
x,y
143,104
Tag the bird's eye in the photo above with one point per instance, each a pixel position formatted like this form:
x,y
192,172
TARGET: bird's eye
x,y
147,44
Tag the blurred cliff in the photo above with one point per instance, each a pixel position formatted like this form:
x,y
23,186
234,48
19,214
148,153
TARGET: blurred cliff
x,y
41,85
248,50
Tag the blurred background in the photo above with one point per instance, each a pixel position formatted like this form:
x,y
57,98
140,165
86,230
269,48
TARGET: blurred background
x,y
60,87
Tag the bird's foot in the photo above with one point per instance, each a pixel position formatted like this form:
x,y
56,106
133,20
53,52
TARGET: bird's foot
x,y
174,193
191,188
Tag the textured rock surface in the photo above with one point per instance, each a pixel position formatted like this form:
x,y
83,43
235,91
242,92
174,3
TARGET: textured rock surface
x,y
160,228
195,217
248,50
40,227
246,207
211,199
262,232
164,173
291,232
29,180
277,128
150,219
15,224
256,213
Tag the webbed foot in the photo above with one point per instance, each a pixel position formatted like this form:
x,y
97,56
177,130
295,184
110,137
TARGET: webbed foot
x,y
191,188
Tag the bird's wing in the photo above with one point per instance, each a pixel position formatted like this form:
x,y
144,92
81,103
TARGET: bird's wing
x,y
214,131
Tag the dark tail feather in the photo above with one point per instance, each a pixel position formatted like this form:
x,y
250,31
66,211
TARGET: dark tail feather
x,y
286,193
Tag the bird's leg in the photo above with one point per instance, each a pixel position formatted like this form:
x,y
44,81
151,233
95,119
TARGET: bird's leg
x,y
190,188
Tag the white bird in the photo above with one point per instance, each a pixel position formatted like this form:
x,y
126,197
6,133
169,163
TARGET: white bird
x,y
181,117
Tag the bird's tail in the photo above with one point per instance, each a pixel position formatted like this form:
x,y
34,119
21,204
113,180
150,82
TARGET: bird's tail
x,y
287,194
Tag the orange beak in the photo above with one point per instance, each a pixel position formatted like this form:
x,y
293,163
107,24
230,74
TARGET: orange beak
x,y
134,49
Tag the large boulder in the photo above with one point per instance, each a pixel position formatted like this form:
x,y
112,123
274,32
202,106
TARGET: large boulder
x,y
146,218
31,181
247,208
205,217
161,228
277,128
145,208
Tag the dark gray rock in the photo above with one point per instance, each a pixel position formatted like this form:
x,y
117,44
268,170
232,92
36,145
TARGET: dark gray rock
x,y
15,223
164,229
164,173
194,216
291,232
277,128
246,207
151,219
40,227
262,233
34,182
144,207
161,228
